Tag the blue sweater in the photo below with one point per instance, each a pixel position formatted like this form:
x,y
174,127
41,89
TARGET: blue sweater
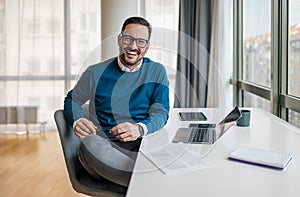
x,y
116,96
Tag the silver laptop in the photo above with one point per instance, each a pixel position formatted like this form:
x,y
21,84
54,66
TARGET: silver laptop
x,y
207,133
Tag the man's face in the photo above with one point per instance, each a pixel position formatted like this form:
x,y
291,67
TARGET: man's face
x,y
132,50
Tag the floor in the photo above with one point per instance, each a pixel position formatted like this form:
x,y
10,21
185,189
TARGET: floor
x,y
33,165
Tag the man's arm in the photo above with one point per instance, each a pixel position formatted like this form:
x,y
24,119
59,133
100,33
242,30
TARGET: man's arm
x,y
159,109
73,102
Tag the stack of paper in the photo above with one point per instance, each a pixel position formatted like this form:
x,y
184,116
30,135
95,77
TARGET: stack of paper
x,y
176,158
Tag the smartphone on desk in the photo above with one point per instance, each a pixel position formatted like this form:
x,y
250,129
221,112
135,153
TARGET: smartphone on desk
x,y
192,116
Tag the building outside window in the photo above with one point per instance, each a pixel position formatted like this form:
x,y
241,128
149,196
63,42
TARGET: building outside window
x,y
257,48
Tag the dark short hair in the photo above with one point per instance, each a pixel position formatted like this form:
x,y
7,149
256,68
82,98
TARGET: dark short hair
x,y
137,20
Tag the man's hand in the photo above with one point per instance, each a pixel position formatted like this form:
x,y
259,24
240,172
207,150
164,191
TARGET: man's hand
x,y
83,127
126,131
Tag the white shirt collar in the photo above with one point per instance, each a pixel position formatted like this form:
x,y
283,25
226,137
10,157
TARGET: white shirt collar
x,y
125,69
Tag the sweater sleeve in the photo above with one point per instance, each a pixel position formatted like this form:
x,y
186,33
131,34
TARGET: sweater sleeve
x,y
159,109
76,97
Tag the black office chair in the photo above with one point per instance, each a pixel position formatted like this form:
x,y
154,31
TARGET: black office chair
x,y
79,177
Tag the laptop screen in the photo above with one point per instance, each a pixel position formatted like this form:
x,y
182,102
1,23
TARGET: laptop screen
x,y
227,122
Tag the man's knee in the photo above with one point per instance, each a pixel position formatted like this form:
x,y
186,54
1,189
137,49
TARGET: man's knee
x,y
99,149
98,154
93,142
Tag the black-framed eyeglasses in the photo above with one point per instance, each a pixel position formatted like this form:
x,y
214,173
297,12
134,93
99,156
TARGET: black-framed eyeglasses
x,y
140,42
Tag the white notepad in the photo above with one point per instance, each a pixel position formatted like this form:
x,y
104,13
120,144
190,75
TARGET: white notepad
x,y
261,157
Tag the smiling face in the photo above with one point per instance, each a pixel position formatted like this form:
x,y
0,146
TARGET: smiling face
x,y
132,54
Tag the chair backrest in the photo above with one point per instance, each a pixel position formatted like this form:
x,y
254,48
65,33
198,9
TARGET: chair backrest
x,y
79,177
70,145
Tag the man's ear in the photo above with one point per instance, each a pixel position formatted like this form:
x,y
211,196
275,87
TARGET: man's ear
x,y
147,47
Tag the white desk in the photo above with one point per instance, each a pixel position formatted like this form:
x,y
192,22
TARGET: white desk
x,y
227,178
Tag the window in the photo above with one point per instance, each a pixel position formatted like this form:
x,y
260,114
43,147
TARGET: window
x,y
257,41
256,48
294,49
33,28
267,56
2,60
85,31
294,118
32,50
163,17
251,100
41,38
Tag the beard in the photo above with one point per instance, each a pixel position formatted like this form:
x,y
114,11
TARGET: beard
x,y
130,62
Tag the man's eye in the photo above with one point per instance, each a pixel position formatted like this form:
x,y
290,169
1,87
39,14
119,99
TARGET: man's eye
x,y
141,42
128,39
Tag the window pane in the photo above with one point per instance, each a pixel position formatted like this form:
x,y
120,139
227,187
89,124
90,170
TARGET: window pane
x,y
294,118
294,48
31,39
85,31
163,17
257,41
47,95
251,100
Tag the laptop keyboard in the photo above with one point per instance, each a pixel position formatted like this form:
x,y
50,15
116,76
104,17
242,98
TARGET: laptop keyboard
x,y
203,135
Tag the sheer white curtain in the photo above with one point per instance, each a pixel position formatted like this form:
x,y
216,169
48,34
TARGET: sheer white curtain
x,y
163,16
220,92
32,52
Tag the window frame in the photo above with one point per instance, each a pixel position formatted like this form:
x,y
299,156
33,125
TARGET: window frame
x,y
277,94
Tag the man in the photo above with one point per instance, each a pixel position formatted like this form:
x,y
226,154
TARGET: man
x,y
128,98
